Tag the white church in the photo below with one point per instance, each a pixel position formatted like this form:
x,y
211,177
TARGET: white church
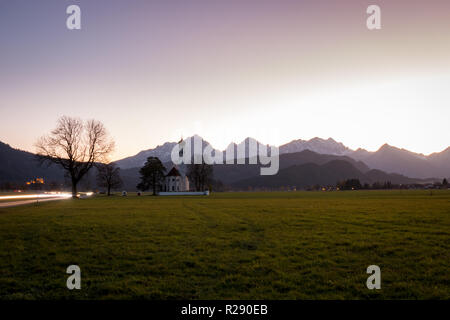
x,y
175,182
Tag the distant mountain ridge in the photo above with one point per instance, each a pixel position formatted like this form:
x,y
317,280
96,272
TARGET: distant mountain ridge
x,y
19,166
388,158
392,159
329,146
327,174
300,169
162,152
386,164
230,174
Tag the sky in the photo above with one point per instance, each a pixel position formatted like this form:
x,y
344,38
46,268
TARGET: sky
x,y
155,71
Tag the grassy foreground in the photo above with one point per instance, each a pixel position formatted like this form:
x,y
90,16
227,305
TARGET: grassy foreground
x,y
301,245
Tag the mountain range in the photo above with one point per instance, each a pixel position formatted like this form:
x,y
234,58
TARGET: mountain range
x,y
302,163
388,158
299,169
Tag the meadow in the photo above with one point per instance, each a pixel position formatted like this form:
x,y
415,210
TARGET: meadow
x,y
292,245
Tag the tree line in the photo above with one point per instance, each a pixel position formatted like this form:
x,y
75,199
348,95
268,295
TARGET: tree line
x,y
355,184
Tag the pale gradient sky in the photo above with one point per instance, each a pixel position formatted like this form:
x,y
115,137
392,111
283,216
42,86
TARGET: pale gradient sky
x,y
152,71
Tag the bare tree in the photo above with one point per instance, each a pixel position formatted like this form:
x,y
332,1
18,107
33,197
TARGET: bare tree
x,y
75,146
108,176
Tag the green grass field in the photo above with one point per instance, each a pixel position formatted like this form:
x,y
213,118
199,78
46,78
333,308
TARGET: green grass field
x,y
300,245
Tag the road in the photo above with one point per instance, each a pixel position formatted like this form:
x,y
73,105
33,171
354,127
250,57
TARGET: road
x,y
31,198
23,202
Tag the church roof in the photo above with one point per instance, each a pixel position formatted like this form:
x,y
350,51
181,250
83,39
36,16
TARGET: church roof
x,y
173,173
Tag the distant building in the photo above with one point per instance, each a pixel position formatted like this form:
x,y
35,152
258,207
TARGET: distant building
x,y
175,182
36,181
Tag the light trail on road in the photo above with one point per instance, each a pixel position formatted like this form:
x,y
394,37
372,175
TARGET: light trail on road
x,y
37,196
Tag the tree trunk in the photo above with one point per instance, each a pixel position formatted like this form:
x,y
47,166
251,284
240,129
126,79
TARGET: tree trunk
x,y
74,189
154,186
109,191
